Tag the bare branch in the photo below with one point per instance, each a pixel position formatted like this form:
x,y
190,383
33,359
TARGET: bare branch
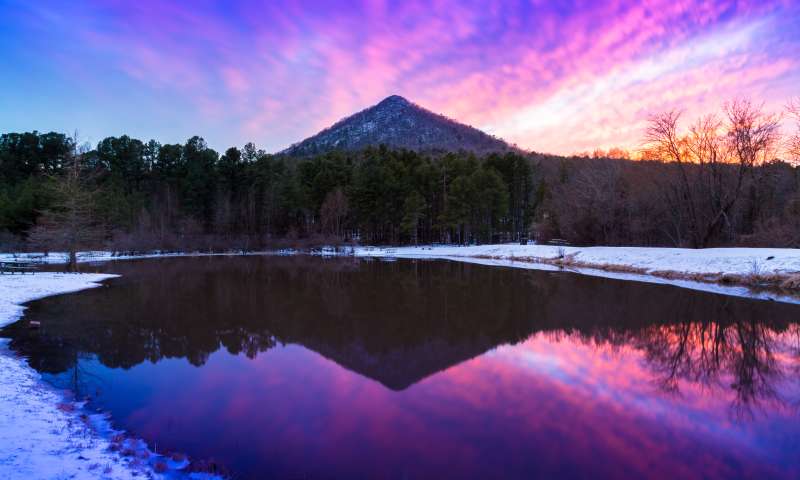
x,y
793,142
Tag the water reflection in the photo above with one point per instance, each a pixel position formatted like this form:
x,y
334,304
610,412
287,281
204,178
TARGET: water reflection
x,y
746,356
668,354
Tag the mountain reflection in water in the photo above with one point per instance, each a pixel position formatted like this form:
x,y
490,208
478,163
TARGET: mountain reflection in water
x,y
481,371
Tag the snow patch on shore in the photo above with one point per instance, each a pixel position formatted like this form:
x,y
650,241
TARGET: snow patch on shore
x,y
702,261
41,441
648,262
21,288
713,261
61,258
43,436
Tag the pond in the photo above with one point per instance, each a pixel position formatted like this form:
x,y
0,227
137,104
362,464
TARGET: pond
x,y
304,367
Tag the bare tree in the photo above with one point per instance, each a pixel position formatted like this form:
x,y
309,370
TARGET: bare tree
x,y
664,143
752,134
333,212
591,202
68,224
713,160
793,145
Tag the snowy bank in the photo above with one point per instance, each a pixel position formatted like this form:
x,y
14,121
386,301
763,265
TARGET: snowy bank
x,y
762,273
18,289
97,256
731,271
44,436
41,436
60,258
651,259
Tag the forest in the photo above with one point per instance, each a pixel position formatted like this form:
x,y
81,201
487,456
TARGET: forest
x,y
726,179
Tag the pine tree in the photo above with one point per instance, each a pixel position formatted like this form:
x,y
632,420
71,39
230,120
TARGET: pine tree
x,y
413,211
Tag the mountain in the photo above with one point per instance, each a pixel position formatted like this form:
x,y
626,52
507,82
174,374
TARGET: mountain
x,y
398,123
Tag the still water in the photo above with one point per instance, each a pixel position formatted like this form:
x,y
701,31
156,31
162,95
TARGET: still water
x,y
301,367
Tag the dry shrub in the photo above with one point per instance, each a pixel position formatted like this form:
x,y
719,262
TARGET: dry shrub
x,y
792,282
563,259
730,279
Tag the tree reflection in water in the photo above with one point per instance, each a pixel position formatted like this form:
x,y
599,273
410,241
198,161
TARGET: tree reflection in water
x,y
400,322
745,355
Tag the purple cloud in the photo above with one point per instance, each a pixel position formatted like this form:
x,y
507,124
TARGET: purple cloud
x,y
551,77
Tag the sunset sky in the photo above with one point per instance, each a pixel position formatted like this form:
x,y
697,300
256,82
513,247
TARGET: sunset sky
x,y
560,76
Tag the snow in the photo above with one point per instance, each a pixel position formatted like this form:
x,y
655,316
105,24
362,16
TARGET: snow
x,y
60,258
18,289
646,260
56,258
709,260
40,441
42,436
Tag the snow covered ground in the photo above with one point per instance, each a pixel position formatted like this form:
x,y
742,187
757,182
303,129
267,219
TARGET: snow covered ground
x,y
56,258
42,434
698,269
18,289
740,261
702,261
644,264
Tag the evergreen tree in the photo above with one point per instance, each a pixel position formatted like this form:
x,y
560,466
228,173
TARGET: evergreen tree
x,y
413,212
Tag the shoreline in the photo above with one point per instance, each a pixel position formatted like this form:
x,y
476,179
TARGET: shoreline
x,y
778,282
46,433
758,273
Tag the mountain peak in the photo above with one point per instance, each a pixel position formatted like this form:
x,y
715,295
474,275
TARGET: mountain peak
x,y
398,123
394,99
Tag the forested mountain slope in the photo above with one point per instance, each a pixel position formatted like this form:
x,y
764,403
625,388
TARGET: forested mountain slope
x,y
396,122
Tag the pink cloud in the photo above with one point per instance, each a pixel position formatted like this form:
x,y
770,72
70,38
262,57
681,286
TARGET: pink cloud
x,y
275,72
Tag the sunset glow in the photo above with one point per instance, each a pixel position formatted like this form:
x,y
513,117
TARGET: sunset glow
x,y
558,78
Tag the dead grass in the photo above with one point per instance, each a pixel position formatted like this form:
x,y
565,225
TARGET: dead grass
x,y
622,269
792,282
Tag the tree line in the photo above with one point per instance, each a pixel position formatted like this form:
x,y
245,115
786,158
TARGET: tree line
x,y
146,195
723,180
